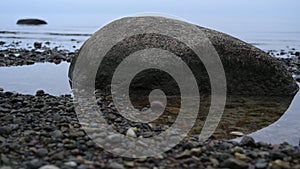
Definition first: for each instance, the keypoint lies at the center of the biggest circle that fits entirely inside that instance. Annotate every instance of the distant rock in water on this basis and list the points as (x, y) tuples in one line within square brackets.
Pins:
[(31, 22), (249, 70)]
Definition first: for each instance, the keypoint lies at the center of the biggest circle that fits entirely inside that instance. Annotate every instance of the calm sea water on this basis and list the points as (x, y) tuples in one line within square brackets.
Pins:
[(72, 37)]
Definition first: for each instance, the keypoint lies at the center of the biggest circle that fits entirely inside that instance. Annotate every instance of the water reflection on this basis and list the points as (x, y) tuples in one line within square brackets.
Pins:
[(286, 129), (243, 114), (52, 78)]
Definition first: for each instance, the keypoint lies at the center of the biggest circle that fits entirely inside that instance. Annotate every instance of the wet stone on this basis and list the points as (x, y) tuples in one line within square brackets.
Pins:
[(5, 167), (279, 164), (40, 93), (115, 165), (70, 164), (34, 164), (5, 130), (234, 164), (37, 45), (277, 155), (5, 160), (248, 141), (42, 152), (49, 167), (57, 134), (261, 163)]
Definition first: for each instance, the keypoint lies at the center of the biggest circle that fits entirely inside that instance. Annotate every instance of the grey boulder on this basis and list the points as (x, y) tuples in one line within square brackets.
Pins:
[(249, 70)]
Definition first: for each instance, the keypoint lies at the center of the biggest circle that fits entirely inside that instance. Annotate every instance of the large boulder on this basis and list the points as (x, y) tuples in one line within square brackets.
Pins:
[(31, 22), (249, 70)]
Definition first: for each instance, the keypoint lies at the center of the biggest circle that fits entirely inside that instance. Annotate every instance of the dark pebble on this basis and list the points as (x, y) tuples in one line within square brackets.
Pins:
[(283, 53), (5, 130), (188, 145), (234, 164), (248, 141), (4, 110), (40, 93), (37, 45), (5, 160), (7, 117), (261, 163), (34, 164), (115, 165), (8, 93), (29, 62), (277, 155), (57, 134), (42, 152)]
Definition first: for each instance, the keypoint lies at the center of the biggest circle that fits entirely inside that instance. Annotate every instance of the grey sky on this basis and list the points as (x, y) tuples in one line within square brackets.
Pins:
[(226, 15)]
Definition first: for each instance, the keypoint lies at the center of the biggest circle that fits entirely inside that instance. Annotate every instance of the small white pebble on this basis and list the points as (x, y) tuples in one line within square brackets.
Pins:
[(130, 133), (49, 167), (71, 164), (237, 133)]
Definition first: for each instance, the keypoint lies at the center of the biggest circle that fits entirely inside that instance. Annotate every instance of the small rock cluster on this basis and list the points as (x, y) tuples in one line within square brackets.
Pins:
[(291, 58), (40, 53)]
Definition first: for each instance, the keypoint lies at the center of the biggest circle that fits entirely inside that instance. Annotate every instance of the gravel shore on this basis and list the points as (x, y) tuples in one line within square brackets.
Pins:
[(43, 130)]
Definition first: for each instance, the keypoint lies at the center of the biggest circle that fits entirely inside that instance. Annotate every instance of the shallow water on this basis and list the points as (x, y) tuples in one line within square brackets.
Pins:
[(245, 114), (25, 36), (286, 129), (52, 78)]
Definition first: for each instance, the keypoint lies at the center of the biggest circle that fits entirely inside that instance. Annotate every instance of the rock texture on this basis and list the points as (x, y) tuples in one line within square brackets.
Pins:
[(249, 70), (31, 22)]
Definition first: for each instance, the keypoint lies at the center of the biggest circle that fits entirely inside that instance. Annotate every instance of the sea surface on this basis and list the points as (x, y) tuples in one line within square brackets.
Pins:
[(72, 37)]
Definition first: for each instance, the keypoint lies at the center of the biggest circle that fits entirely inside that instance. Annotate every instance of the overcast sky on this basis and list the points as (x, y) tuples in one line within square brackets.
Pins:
[(220, 14)]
